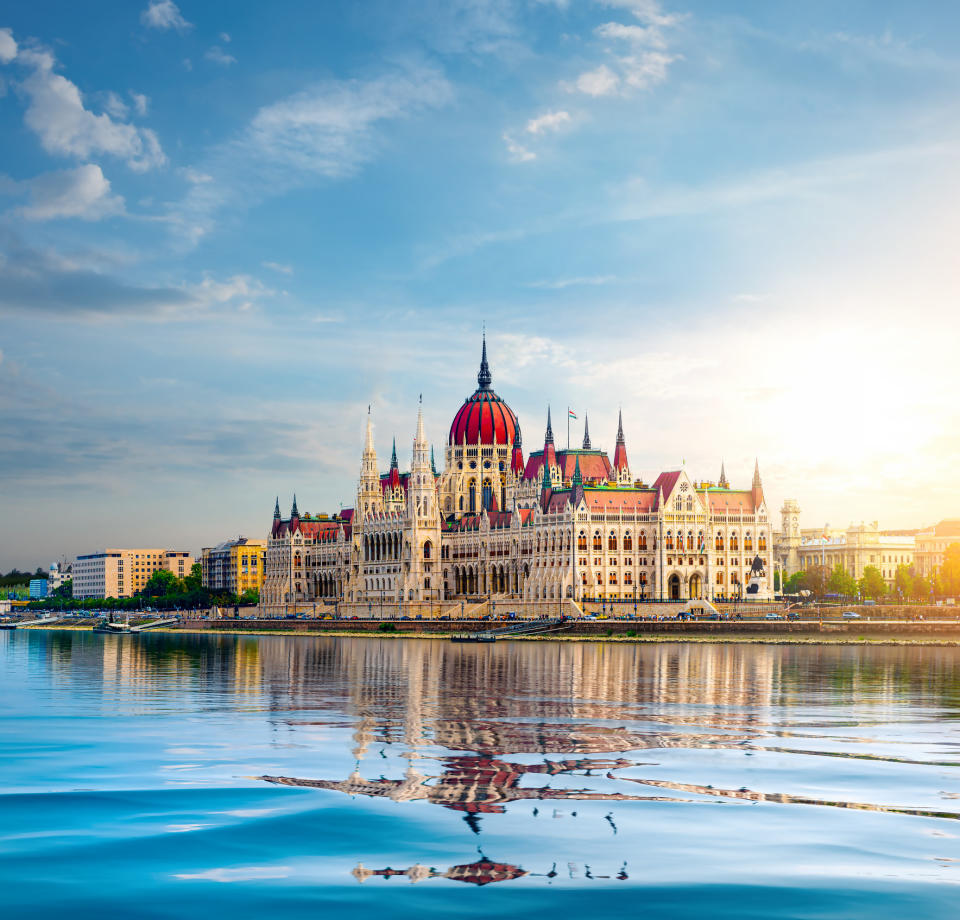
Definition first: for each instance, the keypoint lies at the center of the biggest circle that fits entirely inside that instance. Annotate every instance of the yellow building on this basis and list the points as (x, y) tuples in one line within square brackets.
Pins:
[(234, 565), (932, 545), (124, 572)]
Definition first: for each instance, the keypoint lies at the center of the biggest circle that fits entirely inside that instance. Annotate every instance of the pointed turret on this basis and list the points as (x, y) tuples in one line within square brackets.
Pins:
[(577, 477), (293, 511), (757, 489), (586, 432), (484, 378), (724, 482), (393, 457), (516, 458), (576, 485), (368, 441), (433, 462), (276, 510), (620, 463), (549, 451), (369, 492), (393, 478)]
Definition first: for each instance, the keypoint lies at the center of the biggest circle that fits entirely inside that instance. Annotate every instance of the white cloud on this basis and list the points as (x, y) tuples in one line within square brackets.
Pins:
[(193, 176), (647, 61), (518, 153), (83, 192), (225, 37), (140, 102), (561, 283), (115, 107), (549, 121), (278, 267), (639, 35), (57, 115), (8, 47), (219, 56), (238, 291), (600, 82), (164, 15)]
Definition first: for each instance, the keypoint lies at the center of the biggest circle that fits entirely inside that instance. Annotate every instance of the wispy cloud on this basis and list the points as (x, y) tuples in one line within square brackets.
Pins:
[(164, 15), (82, 193), (561, 283), (217, 55), (517, 152), (65, 126), (278, 267), (549, 121)]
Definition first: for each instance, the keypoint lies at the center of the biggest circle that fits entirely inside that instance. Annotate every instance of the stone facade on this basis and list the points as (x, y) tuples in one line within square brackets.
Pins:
[(562, 524)]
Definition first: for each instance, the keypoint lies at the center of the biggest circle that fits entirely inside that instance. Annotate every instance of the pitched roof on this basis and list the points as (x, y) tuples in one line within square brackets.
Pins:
[(594, 464), (667, 481), (638, 501), (728, 501)]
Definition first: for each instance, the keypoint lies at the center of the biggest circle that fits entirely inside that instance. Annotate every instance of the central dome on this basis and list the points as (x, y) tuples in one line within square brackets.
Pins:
[(484, 418)]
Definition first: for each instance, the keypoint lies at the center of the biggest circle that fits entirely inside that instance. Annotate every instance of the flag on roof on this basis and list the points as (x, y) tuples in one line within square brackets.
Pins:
[(571, 413)]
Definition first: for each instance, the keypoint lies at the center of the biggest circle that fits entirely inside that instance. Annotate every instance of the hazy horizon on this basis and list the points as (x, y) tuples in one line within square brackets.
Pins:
[(225, 230)]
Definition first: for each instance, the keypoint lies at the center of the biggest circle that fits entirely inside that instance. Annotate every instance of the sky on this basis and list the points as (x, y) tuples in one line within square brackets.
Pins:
[(228, 228)]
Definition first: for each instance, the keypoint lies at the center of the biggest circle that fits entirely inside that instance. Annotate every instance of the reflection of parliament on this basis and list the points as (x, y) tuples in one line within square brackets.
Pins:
[(556, 524)]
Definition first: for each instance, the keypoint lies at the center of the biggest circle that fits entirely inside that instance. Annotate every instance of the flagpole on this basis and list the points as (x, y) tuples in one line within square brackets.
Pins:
[(568, 429)]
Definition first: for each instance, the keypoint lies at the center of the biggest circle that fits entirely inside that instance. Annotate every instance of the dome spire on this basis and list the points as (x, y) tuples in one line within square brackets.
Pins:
[(484, 378)]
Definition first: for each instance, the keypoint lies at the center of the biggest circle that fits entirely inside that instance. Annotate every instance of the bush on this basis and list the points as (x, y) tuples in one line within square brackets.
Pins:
[(386, 627)]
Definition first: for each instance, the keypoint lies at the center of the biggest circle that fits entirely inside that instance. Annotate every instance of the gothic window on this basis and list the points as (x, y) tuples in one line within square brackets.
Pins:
[(678, 504), (597, 542), (599, 578), (627, 542), (762, 542), (689, 504), (689, 539), (748, 542), (427, 550), (628, 578), (612, 542), (669, 540), (734, 542), (487, 495), (718, 543), (613, 578), (473, 495), (643, 540)]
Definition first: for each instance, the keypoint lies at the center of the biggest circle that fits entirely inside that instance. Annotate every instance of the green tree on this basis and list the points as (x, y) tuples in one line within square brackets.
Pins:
[(872, 583), (815, 580), (793, 583), (921, 588), (161, 583), (250, 596), (903, 580), (65, 590), (194, 581), (950, 571), (841, 582)]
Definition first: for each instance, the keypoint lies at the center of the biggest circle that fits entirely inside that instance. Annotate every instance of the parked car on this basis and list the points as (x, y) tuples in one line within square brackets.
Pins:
[(850, 615), (773, 616)]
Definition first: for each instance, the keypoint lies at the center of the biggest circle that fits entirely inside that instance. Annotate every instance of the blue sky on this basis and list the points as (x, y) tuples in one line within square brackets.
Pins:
[(227, 228)]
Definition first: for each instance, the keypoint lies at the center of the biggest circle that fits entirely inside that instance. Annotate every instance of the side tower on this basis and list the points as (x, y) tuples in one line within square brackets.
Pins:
[(421, 544), (620, 465), (788, 550)]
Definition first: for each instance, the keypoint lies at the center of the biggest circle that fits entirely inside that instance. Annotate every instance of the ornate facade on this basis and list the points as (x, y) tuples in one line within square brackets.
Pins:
[(558, 524)]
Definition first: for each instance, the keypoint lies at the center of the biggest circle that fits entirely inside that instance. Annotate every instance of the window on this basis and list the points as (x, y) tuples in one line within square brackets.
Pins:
[(597, 542), (612, 542), (582, 542), (669, 540), (628, 542)]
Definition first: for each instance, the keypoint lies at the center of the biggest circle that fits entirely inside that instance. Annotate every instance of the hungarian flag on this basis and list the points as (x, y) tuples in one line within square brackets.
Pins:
[(571, 413)]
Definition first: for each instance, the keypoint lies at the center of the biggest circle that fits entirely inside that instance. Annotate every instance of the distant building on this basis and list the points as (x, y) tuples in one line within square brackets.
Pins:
[(59, 573), (932, 544), (124, 572), (38, 588), (855, 548), (234, 565)]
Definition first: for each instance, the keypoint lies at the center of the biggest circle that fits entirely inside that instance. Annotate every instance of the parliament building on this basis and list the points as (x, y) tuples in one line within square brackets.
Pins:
[(496, 524)]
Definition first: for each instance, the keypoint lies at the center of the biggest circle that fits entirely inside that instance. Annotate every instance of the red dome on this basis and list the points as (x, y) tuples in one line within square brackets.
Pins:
[(484, 419)]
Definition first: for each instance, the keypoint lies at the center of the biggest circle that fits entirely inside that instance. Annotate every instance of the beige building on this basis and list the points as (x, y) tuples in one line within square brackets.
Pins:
[(234, 565), (932, 544), (855, 548), (124, 572)]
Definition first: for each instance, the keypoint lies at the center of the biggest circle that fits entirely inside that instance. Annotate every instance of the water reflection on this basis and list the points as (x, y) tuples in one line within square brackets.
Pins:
[(521, 733)]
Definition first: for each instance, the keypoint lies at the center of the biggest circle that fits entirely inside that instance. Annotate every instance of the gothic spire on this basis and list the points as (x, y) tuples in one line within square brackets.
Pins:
[(548, 438), (433, 463), (577, 476), (756, 475), (517, 440), (276, 510), (620, 439), (293, 511), (393, 457), (586, 432), (723, 483), (484, 378), (368, 443), (421, 437), (547, 484), (620, 453)]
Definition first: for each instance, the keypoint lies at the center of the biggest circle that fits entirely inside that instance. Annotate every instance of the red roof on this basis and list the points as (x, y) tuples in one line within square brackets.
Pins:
[(639, 501), (667, 481), (594, 464), (726, 501), (484, 419)]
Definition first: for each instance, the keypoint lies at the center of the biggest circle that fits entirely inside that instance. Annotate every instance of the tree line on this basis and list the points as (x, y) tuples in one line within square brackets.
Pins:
[(821, 581), (163, 591)]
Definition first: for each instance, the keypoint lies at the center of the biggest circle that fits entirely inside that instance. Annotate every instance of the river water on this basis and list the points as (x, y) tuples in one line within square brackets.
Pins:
[(190, 775)]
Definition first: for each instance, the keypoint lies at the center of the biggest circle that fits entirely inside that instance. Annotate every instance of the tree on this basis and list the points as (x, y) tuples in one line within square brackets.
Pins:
[(792, 583), (872, 583), (65, 589), (921, 588), (815, 580), (903, 580), (950, 571), (841, 582), (194, 581), (161, 583), (250, 596)]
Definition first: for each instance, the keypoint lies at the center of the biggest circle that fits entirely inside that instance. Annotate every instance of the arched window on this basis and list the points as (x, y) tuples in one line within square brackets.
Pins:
[(597, 542), (643, 540), (612, 542), (669, 540), (472, 492), (582, 541), (689, 539), (627, 542), (762, 542), (748, 542), (718, 543), (734, 542), (689, 504), (487, 495), (427, 549)]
